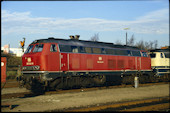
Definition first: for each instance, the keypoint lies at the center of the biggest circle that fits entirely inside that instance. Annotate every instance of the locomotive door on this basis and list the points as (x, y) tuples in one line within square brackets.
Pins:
[(138, 63), (64, 62)]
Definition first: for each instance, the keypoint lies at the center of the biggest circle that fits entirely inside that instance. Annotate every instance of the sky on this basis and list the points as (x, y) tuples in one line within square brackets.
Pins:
[(146, 20)]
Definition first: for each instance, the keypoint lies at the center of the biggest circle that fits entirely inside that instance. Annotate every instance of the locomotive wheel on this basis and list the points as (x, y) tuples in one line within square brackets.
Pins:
[(28, 86), (56, 84), (129, 79), (100, 80), (164, 78), (37, 88)]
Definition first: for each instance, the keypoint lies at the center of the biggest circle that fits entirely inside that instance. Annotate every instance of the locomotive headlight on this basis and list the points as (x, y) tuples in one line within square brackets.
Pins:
[(24, 68), (36, 67), (31, 68)]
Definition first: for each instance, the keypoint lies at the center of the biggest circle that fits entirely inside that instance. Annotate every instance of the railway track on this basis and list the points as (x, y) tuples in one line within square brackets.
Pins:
[(9, 84), (30, 94), (75, 103), (155, 104)]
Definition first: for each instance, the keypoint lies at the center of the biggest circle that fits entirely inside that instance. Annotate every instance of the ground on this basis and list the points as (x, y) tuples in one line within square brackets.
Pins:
[(60, 102)]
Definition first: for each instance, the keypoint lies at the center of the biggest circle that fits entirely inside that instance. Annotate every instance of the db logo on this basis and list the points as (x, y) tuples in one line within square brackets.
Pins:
[(100, 58), (28, 59)]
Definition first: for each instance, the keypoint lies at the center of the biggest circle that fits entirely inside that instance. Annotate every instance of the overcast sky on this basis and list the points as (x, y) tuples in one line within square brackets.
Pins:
[(147, 20)]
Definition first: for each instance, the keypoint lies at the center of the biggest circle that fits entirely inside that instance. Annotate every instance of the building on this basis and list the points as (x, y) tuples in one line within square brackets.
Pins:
[(16, 51)]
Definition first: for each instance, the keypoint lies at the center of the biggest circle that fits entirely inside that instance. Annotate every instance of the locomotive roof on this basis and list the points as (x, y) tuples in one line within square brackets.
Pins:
[(160, 50), (83, 43)]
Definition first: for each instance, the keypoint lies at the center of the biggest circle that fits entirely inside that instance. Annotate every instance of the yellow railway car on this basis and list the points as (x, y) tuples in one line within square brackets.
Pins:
[(160, 61)]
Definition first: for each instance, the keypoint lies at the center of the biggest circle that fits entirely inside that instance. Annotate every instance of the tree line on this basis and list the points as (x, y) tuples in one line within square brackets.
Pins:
[(144, 45)]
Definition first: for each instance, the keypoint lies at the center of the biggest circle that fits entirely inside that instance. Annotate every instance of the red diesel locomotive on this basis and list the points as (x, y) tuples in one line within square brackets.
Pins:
[(66, 63)]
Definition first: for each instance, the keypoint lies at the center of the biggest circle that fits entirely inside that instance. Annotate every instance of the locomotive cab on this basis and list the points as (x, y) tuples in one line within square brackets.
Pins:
[(38, 56), (160, 61), (38, 61)]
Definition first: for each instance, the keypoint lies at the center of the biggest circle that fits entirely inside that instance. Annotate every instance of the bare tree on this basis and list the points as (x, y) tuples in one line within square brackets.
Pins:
[(140, 45), (131, 41), (147, 45), (151, 45), (95, 38), (155, 44)]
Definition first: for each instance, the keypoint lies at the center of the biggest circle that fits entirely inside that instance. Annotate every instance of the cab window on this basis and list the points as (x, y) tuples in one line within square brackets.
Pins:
[(152, 55), (167, 55), (162, 55), (29, 49), (53, 48), (38, 48), (136, 53), (144, 54), (129, 53)]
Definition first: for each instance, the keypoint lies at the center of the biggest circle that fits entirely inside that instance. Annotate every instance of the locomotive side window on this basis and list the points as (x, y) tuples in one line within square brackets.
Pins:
[(129, 53), (29, 49), (74, 49), (167, 55), (162, 55), (103, 51), (65, 48), (110, 51), (81, 49), (97, 50), (118, 52), (125, 52), (53, 48), (153, 55), (136, 53), (122, 52), (38, 48), (88, 50), (144, 54)]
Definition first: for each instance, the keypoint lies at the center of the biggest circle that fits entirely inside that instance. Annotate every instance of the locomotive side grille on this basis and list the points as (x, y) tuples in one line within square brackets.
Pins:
[(120, 64), (111, 64)]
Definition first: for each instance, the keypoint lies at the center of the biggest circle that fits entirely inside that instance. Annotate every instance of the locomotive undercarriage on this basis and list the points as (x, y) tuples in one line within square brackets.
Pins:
[(40, 82), (53, 81), (77, 82)]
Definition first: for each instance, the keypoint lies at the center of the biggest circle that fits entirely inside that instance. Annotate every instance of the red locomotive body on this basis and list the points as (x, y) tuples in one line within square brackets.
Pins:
[(55, 63)]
